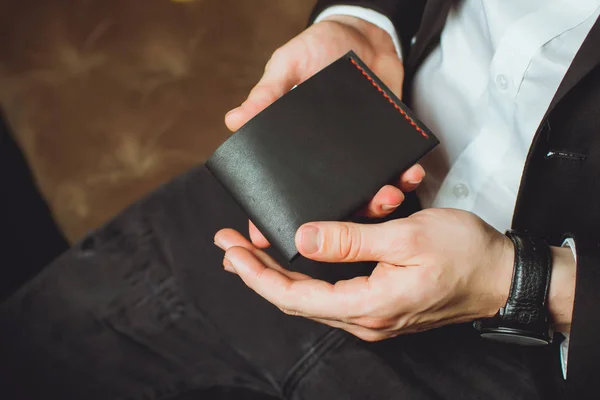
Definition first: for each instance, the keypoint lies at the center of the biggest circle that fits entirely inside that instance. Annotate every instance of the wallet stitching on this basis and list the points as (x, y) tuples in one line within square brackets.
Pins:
[(392, 102)]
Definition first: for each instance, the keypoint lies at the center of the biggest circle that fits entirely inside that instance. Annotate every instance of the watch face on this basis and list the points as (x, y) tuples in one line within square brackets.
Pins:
[(514, 339)]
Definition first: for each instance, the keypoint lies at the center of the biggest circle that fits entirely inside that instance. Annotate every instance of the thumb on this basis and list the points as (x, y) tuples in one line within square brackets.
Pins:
[(281, 75), (347, 242)]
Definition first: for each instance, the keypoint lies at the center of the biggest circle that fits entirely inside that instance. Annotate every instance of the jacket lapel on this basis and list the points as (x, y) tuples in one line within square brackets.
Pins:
[(586, 59), (428, 35)]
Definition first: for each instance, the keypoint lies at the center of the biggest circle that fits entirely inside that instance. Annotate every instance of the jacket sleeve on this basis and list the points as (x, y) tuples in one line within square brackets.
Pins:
[(404, 14), (584, 348)]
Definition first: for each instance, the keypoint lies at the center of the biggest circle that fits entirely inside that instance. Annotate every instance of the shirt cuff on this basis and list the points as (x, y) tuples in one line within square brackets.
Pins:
[(368, 15), (564, 346)]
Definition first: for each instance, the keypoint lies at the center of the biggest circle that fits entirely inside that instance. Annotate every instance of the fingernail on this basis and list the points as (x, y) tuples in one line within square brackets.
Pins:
[(387, 207), (219, 244), (414, 182), (232, 111), (311, 239), (228, 266)]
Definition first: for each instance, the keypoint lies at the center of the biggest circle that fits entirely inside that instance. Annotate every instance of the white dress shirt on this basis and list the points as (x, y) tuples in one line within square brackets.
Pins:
[(484, 90)]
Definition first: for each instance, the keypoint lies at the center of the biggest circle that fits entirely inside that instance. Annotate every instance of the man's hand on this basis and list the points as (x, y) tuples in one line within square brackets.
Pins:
[(308, 53), (436, 267)]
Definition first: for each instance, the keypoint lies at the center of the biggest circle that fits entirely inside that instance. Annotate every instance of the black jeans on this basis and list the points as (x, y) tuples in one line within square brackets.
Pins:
[(142, 309), (29, 238)]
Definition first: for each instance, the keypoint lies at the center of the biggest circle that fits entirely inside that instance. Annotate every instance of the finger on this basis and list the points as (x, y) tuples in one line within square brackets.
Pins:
[(310, 297), (390, 197), (227, 266), (411, 179), (257, 238), (280, 76), (384, 202), (350, 242), (391, 71), (227, 238)]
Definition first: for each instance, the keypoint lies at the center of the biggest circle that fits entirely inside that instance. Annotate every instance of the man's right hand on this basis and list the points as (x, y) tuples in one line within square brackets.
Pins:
[(312, 50), (309, 52)]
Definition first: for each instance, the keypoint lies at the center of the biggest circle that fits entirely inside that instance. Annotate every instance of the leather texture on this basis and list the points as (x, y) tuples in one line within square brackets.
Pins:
[(526, 311), (320, 152)]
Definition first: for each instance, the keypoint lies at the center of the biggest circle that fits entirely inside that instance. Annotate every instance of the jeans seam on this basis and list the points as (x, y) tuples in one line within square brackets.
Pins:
[(329, 341)]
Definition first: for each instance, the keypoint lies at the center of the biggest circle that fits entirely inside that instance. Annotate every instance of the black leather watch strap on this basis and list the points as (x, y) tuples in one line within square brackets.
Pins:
[(525, 317)]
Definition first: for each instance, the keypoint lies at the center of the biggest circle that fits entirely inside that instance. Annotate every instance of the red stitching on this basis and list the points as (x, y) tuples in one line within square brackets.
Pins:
[(392, 102)]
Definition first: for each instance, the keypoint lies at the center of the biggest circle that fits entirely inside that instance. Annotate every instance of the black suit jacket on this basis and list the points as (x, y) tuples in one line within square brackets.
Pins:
[(559, 193)]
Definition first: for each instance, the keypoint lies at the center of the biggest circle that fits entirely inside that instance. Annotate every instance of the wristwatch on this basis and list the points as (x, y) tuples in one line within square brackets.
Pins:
[(525, 318)]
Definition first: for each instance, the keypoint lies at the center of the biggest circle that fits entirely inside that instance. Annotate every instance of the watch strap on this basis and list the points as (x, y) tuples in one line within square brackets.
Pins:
[(526, 312)]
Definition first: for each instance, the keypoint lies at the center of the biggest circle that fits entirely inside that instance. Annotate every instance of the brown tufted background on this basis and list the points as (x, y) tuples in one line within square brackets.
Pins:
[(111, 98)]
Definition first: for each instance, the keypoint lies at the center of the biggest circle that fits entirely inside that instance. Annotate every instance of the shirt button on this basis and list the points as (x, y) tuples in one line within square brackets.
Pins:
[(502, 82), (460, 191)]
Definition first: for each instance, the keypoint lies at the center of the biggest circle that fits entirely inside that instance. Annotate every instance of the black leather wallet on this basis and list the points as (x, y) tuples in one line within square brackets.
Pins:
[(320, 152)]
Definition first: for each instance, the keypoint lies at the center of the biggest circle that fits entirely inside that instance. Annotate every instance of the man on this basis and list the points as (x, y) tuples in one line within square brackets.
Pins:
[(512, 90)]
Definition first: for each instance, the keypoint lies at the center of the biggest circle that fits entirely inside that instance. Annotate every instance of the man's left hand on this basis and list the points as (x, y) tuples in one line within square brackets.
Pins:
[(436, 267)]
